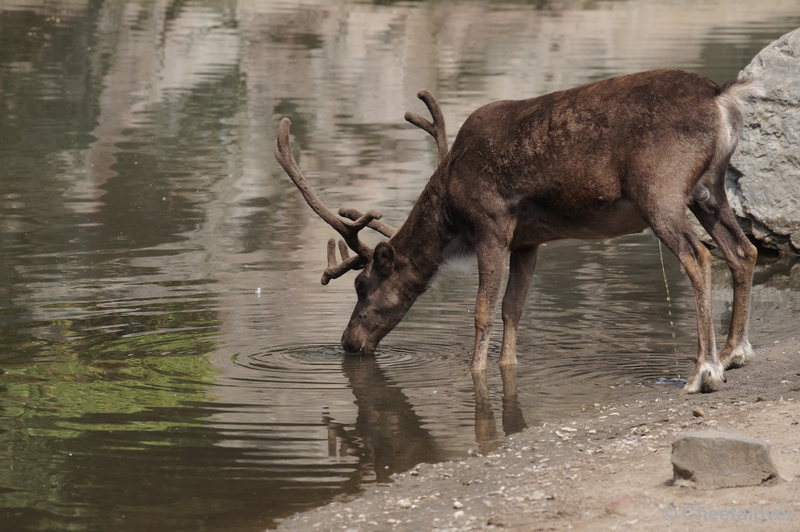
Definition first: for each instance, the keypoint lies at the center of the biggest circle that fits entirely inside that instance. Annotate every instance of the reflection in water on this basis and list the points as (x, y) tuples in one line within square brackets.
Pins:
[(387, 436), (485, 426), (513, 418), (144, 384)]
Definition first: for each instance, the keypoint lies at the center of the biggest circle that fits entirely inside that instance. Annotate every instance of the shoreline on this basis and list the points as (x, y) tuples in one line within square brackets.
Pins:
[(608, 469)]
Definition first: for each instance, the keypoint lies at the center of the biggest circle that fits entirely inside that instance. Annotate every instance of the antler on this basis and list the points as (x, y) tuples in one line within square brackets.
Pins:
[(348, 223), (436, 129), (376, 225), (334, 270)]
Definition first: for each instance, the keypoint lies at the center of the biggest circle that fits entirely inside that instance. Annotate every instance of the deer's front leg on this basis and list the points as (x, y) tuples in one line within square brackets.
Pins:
[(490, 273), (523, 263)]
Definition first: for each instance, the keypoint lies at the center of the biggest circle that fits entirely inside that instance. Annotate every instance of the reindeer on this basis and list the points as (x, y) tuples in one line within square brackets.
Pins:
[(601, 160)]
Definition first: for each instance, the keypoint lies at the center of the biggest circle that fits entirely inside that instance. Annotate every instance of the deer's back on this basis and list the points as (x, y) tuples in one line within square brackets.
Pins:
[(581, 151)]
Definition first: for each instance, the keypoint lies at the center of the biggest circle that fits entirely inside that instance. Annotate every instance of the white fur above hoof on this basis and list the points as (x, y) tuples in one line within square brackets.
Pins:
[(739, 356), (706, 379)]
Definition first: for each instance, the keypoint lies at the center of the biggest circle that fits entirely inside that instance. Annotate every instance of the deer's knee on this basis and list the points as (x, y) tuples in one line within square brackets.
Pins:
[(748, 252)]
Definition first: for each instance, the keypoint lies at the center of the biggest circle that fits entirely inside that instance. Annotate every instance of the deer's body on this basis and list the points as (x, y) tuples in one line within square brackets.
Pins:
[(597, 161)]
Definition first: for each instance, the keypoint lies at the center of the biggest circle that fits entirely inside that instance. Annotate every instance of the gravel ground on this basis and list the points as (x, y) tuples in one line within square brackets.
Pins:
[(607, 469)]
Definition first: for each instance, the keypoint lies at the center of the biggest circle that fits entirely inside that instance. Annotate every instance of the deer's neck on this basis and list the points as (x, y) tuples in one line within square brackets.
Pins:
[(421, 241)]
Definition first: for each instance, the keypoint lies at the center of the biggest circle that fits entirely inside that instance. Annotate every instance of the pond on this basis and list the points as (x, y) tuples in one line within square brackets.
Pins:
[(169, 359)]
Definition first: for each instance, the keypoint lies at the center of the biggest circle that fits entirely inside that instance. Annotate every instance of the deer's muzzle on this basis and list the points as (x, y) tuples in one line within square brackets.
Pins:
[(357, 343)]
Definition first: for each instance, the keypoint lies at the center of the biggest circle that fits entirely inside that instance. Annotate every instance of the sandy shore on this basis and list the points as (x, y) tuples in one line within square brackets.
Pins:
[(606, 469)]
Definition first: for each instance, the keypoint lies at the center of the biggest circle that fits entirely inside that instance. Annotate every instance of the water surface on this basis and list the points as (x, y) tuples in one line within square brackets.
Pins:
[(146, 382)]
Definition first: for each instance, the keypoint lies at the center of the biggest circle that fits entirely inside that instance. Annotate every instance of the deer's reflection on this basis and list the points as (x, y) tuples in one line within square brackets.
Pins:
[(388, 435), (513, 420)]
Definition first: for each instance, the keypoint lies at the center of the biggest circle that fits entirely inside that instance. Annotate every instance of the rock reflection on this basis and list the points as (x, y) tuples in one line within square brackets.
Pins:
[(775, 299)]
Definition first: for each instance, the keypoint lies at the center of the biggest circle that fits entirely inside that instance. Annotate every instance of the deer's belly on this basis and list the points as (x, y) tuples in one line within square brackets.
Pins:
[(616, 219)]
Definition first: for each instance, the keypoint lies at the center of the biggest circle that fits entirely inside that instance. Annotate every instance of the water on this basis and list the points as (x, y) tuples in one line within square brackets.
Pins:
[(144, 382)]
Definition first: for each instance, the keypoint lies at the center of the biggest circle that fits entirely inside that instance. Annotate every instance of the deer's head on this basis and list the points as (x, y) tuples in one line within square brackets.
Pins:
[(384, 288)]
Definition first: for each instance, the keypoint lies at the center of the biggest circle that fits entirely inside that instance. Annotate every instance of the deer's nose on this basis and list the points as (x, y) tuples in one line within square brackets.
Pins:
[(351, 342)]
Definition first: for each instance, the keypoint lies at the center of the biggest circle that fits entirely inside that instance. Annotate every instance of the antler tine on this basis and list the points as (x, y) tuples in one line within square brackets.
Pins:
[(334, 270), (436, 129), (345, 227), (343, 250), (376, 225)]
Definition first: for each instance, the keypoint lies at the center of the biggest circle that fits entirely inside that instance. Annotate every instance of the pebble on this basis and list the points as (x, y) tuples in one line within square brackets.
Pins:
[(698, 412), (457, 505), (404, 503)]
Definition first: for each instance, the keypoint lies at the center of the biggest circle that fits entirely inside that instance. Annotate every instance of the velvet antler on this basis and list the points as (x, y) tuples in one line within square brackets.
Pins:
[(436, 129), (348, 223)]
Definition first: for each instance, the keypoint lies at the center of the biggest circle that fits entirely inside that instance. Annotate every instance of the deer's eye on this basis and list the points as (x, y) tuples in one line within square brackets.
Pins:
[(361, 290)]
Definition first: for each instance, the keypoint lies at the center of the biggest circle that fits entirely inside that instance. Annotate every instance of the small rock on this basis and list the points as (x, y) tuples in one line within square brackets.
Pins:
[(457, 505), (404, 503), (458, 514), (711, 459), (493, 521), (698, 412)]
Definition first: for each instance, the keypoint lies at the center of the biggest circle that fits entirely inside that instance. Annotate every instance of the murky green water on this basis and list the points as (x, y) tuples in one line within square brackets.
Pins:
[(145, 385)]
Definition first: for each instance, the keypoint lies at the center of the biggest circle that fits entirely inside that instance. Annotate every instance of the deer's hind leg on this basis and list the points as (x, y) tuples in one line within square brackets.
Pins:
[(717, 218), (522, 265), (673, 229)]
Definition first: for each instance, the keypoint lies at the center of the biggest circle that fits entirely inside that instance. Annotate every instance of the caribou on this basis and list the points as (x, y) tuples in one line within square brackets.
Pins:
[(597, 161)]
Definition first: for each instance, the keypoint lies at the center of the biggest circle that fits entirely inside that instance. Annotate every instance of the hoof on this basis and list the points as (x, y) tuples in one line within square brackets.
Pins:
[(706, 379), (740, 356)]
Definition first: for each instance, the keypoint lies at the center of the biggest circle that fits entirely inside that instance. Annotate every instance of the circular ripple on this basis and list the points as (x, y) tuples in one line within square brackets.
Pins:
[(300, 362)]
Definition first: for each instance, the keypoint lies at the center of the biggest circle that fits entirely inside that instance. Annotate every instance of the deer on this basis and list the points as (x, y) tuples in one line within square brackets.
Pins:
[(605, 159)]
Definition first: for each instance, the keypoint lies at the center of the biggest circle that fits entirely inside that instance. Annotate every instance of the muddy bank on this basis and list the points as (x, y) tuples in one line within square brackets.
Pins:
[(607, 467)]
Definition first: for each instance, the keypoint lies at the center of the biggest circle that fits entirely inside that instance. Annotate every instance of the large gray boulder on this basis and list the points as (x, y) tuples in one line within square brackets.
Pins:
[(763, 180)]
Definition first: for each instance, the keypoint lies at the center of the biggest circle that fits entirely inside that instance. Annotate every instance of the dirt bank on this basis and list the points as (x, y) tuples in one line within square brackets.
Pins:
[(604, 469)]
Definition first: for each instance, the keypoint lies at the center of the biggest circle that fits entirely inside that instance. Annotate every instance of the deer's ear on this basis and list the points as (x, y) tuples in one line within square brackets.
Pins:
[(383, 258)]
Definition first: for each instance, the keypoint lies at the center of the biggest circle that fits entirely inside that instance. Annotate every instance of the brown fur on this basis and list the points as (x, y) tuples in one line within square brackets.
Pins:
[(597, 161)]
